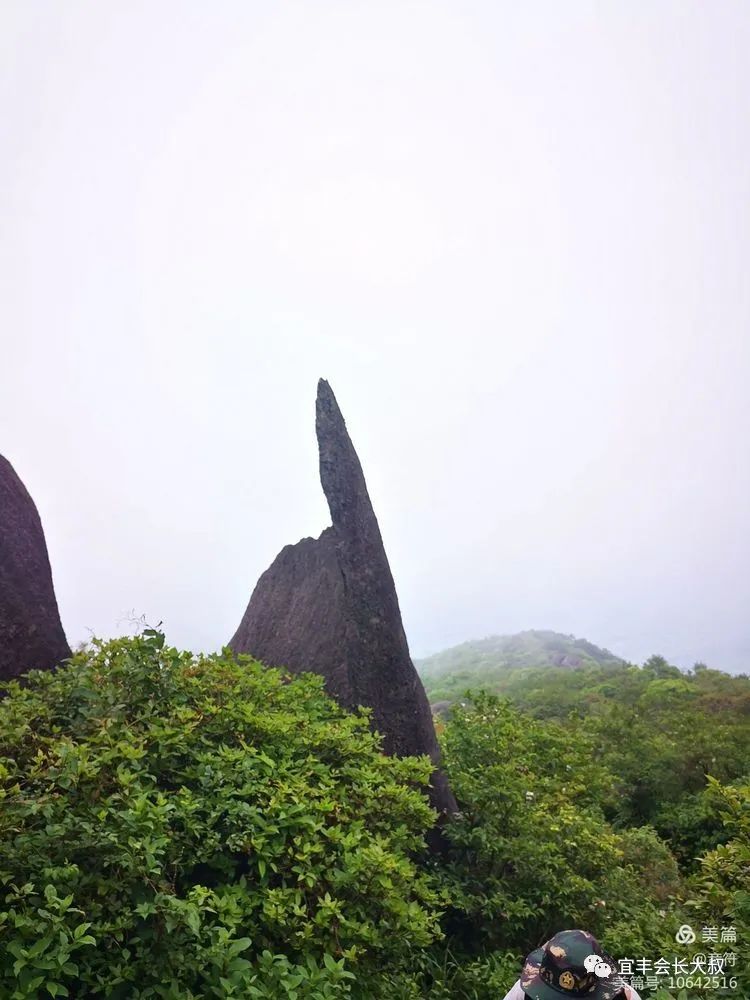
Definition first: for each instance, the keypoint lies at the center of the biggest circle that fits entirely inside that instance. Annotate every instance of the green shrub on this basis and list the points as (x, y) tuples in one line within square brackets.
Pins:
[(182, 827), (692, 826), (533, 852), (722, 883)]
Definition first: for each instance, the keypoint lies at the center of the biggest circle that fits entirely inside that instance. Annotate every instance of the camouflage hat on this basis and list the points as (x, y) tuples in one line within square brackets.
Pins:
[(564, 967)]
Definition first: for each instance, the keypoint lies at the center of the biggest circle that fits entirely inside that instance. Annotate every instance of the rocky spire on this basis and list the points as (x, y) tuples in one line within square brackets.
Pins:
[(31, 636), (329, 605)]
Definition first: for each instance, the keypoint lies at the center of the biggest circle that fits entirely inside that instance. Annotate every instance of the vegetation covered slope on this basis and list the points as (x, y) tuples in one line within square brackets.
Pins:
[(175, 826), (180, 827), (492, 663), (660, 730)]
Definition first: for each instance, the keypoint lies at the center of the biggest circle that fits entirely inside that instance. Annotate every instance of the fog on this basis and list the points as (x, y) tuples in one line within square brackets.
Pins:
[(514, 238)]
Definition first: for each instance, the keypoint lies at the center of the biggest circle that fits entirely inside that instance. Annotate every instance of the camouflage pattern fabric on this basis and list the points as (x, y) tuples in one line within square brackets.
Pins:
[(571, 964)]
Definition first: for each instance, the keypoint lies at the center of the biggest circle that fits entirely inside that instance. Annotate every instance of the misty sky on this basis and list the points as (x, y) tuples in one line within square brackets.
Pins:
[(515, 237)]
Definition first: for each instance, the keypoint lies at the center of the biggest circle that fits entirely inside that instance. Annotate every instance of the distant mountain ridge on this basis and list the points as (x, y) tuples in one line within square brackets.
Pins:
[(532, 648)]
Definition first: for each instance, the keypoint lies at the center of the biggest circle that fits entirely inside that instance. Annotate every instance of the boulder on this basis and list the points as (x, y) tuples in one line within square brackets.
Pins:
[(329, 605), (31, 635)]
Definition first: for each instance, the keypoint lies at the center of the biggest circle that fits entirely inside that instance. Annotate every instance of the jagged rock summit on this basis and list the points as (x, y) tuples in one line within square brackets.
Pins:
[(329, 605), (31, 635)]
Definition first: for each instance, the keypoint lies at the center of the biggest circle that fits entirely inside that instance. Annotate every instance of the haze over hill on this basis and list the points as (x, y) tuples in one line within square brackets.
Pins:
[(532, 648), (513, 236), (512, 665)]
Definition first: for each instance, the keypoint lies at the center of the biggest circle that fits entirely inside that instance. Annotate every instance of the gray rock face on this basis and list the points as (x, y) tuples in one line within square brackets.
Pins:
[(329, 605), (31, 635)]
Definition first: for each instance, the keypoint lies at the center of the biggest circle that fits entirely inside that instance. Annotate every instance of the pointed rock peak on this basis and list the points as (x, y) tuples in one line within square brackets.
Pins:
[(31, 635), (330, 605), (325, 393), (341, 474)]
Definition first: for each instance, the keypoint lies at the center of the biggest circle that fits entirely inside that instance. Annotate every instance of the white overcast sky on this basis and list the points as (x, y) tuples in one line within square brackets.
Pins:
[(515, 238)]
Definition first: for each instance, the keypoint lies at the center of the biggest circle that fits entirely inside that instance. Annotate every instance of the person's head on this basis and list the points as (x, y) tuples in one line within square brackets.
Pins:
[(570, 965), (618, 996)]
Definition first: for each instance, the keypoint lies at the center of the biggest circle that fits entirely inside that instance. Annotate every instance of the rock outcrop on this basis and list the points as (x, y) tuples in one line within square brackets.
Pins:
[(31, 635), (329, 605)]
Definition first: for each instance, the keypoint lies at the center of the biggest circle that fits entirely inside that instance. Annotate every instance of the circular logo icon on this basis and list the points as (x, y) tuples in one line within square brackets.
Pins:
[(602, 970), (591, 962), (567, 980), (685, 935)]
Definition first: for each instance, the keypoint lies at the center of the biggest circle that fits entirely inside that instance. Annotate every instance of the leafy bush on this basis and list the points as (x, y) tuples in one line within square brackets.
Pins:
[(181, 827), (722, 883), (173, 826), (692, 826), (659, 730), (533, 851)]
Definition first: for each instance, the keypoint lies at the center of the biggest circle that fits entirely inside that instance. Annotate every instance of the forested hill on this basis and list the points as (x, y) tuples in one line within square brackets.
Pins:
[(174, 825), (550, 674), (493, 663), (533, 648), (659, 729)]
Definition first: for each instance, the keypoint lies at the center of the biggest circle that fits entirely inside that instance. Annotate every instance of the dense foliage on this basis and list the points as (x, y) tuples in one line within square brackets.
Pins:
[(173, 827), (489, 662), (722, 884), (653, 760), (658, 729), (179, 826), (536, 852)]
